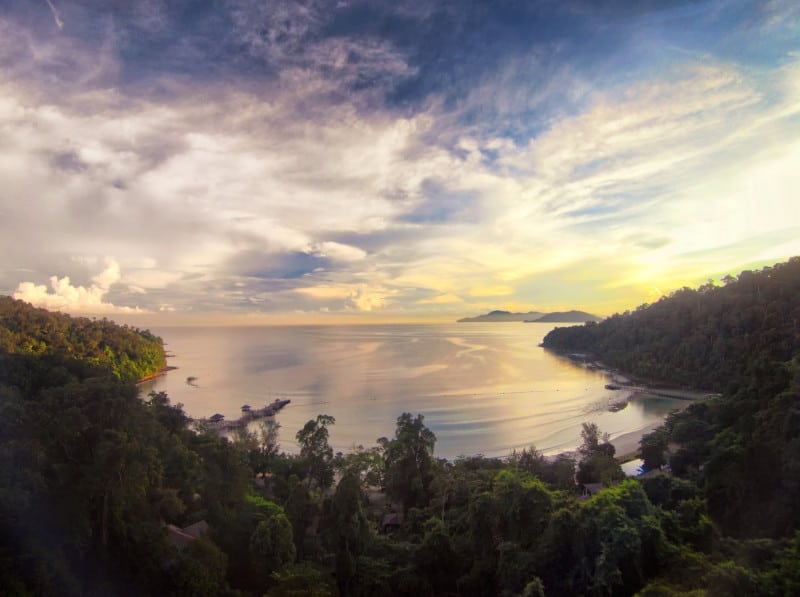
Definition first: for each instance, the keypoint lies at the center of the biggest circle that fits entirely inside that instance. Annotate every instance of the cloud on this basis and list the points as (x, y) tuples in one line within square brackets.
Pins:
[(441, 299), (297, 155), (56, 17), (108, 276), (63, 296), (325, 292), (370, 298), (338, 251)]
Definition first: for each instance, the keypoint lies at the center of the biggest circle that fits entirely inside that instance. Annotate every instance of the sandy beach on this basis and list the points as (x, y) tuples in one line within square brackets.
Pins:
[(627, 444)]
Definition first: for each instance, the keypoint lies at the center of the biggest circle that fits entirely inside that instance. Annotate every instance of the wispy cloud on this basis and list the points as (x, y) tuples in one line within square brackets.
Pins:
[(56, 16)]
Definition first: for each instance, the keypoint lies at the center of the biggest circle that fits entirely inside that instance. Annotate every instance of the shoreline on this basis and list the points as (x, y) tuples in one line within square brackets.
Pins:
[(161, 372), (627, 444)]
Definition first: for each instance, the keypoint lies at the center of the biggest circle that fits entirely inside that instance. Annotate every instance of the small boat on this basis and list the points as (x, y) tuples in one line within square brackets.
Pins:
[(611, 386)]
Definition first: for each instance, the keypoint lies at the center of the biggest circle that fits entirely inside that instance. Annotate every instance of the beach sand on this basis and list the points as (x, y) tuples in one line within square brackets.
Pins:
[(627, 444)]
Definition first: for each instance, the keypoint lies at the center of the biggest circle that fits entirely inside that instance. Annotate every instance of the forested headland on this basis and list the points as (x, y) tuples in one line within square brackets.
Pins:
[(57, 342), (713, 337), (103, 492)]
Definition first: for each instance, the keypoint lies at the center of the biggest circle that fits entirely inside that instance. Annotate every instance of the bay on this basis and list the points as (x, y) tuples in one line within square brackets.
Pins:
[(484, 388)]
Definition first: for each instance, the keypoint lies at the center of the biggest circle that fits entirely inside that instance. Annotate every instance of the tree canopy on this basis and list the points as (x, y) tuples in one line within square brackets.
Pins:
[(66, 343)]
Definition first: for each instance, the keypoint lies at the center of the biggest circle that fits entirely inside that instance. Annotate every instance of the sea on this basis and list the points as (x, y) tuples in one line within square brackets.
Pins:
[(483, 388)]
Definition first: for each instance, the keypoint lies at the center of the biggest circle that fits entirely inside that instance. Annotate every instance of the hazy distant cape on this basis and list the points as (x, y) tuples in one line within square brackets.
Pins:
[(566, 317), (533, 316)]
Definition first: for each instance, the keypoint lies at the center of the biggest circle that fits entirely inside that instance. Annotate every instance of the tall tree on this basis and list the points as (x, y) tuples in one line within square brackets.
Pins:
[(271, 546), (347, 529), (409, 461), (314, 448)]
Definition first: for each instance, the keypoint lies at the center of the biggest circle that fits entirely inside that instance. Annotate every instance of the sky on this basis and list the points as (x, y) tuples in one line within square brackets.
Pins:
[(256, 161)]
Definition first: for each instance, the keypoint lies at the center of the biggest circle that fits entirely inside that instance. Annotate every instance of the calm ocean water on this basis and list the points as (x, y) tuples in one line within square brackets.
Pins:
[(483, 388)]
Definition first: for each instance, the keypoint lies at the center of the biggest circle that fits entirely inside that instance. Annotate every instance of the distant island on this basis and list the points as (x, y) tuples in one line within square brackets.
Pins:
[(532, 316), (503, 316), (566, 317)]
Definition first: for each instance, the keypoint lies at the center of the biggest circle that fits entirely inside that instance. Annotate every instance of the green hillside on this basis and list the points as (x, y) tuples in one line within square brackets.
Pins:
[(127, 353), (713, 337), (742, 449)]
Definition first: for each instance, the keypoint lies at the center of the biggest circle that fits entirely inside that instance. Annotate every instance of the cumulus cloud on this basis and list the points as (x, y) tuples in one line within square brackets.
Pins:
[(64, 296)]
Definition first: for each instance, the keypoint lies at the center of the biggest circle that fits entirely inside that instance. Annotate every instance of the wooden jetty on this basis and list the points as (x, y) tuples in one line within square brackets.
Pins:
[(219, 424)]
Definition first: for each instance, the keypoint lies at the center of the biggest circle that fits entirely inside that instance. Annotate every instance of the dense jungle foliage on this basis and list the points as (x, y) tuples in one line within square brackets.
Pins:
[(715, 337), (127, 353), (91, 474)]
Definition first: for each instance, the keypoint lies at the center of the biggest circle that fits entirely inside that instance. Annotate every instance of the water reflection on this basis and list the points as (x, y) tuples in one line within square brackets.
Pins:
[(483, 388)]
